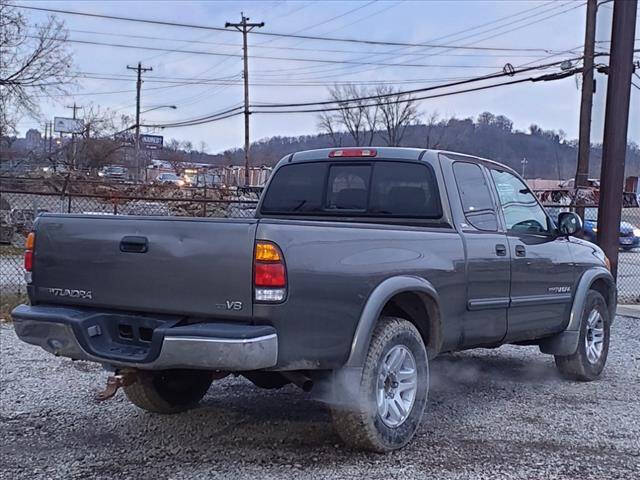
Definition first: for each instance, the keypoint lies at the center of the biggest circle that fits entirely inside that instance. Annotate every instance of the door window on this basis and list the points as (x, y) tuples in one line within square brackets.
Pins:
[(522, 212), (475, 196)]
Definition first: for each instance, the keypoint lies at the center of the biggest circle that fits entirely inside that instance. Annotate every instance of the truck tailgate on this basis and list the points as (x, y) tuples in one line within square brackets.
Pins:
[(197, 267)]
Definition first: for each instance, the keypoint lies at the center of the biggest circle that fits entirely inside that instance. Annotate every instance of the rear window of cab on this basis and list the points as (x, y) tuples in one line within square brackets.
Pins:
[(372, 189)]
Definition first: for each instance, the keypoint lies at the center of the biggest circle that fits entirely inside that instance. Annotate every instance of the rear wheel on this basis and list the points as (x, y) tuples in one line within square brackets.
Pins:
[(593, 345), (169, 391), (392, 392)]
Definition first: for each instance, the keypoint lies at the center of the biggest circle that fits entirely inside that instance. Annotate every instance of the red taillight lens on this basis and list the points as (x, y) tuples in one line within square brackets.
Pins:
[(29, 245), (28, 260), (270, 275)]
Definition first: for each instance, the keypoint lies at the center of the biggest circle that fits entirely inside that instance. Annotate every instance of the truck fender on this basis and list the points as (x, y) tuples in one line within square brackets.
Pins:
[(566, 342), (374, 306)]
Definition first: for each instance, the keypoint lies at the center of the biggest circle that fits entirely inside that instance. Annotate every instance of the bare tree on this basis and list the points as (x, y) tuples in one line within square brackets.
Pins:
[(176, 156), (203, 147), (358, 117), (431, 124), (31, 65), (397, 112), (97, 146), (328, 124)]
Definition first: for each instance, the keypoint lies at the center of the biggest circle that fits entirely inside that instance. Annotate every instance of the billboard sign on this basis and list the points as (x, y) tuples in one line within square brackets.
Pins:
[(68, 125), (151, 142)]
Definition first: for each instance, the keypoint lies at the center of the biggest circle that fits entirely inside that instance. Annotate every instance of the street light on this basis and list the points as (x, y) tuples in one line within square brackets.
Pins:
[(172, 107)]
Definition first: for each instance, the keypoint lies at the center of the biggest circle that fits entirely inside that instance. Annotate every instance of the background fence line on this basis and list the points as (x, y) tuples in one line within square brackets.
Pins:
[(19, 208)]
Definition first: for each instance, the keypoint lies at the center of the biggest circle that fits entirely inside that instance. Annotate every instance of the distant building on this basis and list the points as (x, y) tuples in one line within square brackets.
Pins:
[(33, 138)]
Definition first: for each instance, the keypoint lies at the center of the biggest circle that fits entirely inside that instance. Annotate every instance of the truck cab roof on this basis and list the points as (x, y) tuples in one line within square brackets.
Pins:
[(386, 153)]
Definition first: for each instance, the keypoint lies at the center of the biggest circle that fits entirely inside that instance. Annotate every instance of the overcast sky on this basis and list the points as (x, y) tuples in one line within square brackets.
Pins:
[(556, 26)]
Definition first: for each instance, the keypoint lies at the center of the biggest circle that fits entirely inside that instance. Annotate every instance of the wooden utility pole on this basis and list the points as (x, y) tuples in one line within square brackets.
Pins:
[(140, 69), (586, 103), (616, 122), (245, 28)]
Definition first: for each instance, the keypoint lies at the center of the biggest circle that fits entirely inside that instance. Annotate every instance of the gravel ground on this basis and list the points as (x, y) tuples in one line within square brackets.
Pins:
[(492, 414)]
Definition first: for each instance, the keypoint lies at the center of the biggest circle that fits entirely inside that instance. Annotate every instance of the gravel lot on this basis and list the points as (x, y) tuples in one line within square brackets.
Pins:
[(492, 414)]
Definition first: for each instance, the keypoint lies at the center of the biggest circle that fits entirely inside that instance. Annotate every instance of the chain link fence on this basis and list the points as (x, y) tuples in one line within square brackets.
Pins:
[(18, 209)]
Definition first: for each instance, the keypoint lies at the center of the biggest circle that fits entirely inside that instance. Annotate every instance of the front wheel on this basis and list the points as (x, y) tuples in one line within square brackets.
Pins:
[(392, 392), (593, 345), (169, 391)]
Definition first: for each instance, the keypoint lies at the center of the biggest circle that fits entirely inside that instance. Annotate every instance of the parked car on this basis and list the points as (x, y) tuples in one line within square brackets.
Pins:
[(169, 179), (359, 266), (629, 233), (113, 172), (142, 207)]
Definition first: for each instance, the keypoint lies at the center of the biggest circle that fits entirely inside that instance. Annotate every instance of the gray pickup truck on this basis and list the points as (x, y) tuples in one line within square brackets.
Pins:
[(359, 267)]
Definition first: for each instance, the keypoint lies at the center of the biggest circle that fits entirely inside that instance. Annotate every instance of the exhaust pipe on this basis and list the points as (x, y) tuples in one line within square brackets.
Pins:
[(299, 379)]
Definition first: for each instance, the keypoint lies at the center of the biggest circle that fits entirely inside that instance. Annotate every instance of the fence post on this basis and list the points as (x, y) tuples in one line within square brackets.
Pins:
[(69, 208), (115, 208)]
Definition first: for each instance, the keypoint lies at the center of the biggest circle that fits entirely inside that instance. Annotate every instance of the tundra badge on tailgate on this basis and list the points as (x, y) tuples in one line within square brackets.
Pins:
[(72, 293)]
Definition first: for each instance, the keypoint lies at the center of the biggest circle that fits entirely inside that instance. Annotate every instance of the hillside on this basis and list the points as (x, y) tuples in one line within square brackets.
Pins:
[(549, 155)]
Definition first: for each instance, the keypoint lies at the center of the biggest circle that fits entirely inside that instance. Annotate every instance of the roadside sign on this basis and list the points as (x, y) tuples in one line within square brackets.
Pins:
[(151, 142), (68, 125)]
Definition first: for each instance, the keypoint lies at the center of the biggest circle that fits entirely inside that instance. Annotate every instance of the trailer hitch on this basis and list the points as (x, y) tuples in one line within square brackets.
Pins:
[(123, 378)]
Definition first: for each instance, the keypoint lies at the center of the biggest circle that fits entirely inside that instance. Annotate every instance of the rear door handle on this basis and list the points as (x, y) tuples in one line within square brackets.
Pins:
[(501, 250), (134, 244), (520, 251)]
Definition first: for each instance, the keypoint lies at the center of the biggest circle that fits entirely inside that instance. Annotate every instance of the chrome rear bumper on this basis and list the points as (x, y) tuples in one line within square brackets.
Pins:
[(179, 350)]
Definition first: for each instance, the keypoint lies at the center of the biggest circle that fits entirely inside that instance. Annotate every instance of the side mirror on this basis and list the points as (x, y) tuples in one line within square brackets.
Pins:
[(569, 223)]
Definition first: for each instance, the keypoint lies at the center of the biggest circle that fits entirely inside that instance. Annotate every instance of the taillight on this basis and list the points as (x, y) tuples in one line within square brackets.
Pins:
[(269, 273), (353, 152), (30, 244)]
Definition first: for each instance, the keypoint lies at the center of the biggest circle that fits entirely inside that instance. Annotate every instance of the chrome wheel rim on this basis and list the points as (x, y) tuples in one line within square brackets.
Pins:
[(397, 386), (594, 336)]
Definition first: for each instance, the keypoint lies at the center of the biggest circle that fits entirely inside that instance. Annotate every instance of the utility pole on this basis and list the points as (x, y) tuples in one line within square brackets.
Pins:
[(73, 137), (586, 102), (140, 69), (245, 28), (616, 122), (524, 164), (44, 145)]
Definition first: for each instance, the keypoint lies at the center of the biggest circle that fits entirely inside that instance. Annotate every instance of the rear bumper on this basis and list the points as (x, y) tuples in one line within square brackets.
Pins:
[(94, 336)]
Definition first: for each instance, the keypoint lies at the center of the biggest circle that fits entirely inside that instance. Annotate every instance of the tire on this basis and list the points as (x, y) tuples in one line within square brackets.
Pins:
[(584, 365), (362, 425), (169, 391)]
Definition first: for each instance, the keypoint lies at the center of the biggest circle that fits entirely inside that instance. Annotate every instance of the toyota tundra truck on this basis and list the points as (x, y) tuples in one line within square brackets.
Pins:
[(359, 267)]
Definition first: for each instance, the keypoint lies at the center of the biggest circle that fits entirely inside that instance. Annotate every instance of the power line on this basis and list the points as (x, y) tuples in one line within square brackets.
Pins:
[(287, 47), (288, 59), (283, 35), (419, 90), (446, 94), (547, 77), (395, 52)]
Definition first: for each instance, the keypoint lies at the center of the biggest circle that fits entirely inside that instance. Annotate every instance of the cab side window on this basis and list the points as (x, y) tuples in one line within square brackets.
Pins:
[(522, 212), (475, 196)]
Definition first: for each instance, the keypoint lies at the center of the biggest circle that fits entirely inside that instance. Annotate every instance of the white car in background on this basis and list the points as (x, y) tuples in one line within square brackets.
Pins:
[(169, 179)]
